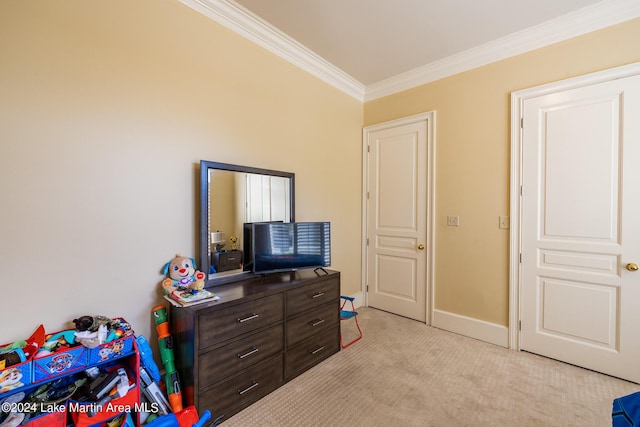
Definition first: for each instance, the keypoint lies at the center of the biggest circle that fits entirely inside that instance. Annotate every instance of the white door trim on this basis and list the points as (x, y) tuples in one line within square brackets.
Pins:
[(429, 117), (517, 102)]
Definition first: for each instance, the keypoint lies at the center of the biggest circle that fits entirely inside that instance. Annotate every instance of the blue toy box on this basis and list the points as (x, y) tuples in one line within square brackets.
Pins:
[(16, 369), (15, 377), (111, 350), (59, 363), (119, 345), (626, 411)]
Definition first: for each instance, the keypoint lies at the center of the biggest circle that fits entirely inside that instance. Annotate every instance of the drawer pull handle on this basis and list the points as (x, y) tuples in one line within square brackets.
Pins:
[(318, 295), (317, 350), (248, 353), (251, 387), (250, 317), (316, 322)]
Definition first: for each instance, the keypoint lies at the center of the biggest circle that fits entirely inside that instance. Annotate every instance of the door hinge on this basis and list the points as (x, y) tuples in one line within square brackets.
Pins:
[(367, 241), (520, 257), (521, 190), (367, 195), (519, 325), (367, 288), (368, 148), (521, 122)]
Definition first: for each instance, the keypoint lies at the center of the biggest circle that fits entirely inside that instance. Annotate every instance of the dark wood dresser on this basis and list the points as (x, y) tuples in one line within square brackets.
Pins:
[(227, 260), (262, 332)]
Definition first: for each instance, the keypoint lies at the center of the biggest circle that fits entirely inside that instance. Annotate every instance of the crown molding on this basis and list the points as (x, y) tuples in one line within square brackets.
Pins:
[(585, 20), (243, 22), (582, 21)]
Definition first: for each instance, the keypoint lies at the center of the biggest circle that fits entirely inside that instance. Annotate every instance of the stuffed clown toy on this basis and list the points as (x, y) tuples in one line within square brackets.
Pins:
[(182, 275)]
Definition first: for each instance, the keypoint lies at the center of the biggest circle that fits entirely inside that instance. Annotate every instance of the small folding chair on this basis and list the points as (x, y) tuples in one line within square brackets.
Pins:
[(346, 314)]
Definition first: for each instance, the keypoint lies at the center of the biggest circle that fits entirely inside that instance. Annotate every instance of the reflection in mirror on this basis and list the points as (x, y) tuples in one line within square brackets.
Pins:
[(231, 196)]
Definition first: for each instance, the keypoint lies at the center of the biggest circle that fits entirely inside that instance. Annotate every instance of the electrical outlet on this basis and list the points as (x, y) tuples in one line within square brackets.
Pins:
[(453, 220), (504, 222)]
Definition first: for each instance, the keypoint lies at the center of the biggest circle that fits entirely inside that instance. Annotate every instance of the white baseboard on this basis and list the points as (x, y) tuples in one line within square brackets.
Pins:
[(470, 327)]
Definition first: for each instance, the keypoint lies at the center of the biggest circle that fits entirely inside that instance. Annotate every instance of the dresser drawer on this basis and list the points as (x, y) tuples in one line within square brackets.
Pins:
[(243, 389), (226, 261), (312, 351), (237, 355), (308, 297), (220, 325), (312, 322)]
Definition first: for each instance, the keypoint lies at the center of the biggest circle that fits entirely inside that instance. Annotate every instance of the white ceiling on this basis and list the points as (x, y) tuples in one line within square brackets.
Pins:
[(370, 48), (375, 40)]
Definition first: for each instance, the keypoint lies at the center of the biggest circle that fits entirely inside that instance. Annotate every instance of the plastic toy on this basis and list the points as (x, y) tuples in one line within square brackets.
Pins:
[(182, 275), (146, 358), (115, 334), (172, 380), (185, 418), (119, 329), (150, 376), (57, 341), (153, 393), (69, 336)]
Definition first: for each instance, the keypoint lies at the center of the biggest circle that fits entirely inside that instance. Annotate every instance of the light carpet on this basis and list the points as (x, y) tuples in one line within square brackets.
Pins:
[(404, 373)]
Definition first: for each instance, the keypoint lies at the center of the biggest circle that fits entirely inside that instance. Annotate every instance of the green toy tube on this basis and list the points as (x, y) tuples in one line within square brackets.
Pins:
[(172, 380)]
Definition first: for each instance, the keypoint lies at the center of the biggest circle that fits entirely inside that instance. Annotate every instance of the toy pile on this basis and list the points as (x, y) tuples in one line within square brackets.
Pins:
[(20, 351), (75, 376), (90, 332)]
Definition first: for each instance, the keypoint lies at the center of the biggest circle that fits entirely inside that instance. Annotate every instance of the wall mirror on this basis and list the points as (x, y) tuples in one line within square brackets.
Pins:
[(230, 196)]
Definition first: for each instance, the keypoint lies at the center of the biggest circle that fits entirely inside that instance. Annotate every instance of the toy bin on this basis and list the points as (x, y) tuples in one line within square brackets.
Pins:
[(59, 363), (16, 367), (114, 349), (84, 414), (122, 420), (54, 415), (15, 377)]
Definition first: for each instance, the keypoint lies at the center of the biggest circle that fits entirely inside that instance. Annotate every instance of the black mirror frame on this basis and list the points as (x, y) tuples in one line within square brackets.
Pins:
[(205, 166)]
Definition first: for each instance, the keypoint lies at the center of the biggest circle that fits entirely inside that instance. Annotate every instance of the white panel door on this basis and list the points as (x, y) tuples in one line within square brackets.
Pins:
[(397, 219), (580, 293)]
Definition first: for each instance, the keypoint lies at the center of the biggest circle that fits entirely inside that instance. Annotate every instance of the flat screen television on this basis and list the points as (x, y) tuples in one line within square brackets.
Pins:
[(289, 246), (247, 244)]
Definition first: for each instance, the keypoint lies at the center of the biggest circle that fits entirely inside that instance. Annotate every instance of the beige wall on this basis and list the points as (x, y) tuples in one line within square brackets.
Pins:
[(106, 109), (472, 159)]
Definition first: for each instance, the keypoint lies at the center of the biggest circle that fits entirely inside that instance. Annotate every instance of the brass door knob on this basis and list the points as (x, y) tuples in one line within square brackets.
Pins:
[(632, 266), (421, 247)]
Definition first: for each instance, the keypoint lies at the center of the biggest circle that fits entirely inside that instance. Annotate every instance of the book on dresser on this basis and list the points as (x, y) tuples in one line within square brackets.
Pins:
[(189, 297)]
